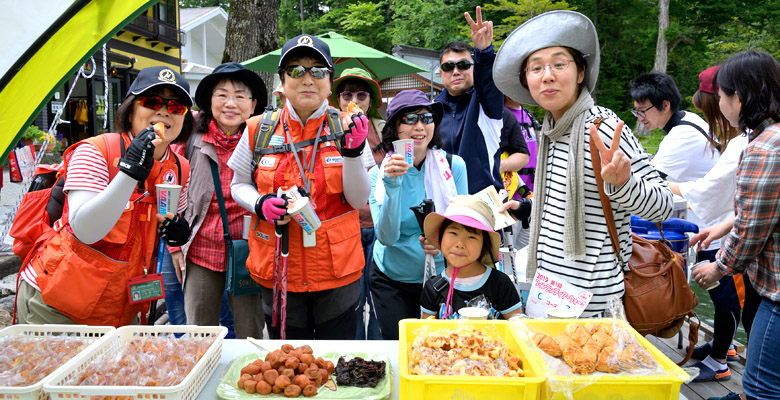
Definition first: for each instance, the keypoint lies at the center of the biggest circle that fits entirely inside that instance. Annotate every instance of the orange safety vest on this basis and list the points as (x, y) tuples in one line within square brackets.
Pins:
[(87, 283), (337, 259)]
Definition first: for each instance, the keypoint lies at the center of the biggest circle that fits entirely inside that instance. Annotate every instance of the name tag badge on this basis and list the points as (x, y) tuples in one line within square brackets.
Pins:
[(141, 289), (268, 162), (334, 160)]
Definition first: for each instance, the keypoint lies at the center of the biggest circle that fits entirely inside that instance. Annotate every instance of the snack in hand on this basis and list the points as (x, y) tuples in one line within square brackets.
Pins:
[(353, 109), (159, 129)]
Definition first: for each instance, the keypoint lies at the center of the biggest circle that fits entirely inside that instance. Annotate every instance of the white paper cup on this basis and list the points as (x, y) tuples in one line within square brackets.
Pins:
[(304, 215), (699, 264), (473, 313), (561, 312), (168, 198), (405, 147)]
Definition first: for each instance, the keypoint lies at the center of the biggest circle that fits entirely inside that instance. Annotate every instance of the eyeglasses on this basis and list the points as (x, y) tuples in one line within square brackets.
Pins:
[(641, 113), (412, 118), (556, 67), (297, 71), (463, 65), (347, 96), (156, 102), (222, 98)]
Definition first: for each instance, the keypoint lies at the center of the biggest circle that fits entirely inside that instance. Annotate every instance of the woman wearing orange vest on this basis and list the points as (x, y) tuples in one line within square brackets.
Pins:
[(304, 154), (98, 266)]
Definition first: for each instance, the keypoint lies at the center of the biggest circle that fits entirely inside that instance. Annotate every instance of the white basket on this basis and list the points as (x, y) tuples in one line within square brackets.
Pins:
[(186, 390), (92, 335)]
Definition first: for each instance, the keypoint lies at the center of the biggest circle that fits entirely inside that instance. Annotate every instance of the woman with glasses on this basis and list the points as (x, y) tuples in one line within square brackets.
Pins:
[(552, 61), (312, 156), (227, 97), (355, 85), (105, 246), (396, 279)]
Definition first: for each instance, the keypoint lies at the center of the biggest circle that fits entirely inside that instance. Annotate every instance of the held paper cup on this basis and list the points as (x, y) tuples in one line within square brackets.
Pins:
[(405, 147), (304, 215), (168, 198), (699, 264), (473, 313)]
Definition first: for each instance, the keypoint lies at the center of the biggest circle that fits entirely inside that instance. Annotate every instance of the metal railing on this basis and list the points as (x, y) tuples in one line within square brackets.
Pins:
[(156, 30)]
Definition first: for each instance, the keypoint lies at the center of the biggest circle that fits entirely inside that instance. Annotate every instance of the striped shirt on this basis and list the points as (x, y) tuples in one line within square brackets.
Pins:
[(754, 242), (88, 170), (644, 194)]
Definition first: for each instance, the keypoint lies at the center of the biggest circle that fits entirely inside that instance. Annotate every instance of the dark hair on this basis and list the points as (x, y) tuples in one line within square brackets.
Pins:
[(456, 47), (486, 243), (390, 132), (124, 118), (755, 77), (299, 54), (203, 119), (579, 61), (656, 87), (721, 131)]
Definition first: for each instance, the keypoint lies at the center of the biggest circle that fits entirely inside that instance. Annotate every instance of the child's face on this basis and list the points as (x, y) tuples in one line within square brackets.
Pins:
[(459, 246)]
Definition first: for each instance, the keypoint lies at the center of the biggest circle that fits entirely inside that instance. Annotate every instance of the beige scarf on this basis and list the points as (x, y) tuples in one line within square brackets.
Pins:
[(572, 121)]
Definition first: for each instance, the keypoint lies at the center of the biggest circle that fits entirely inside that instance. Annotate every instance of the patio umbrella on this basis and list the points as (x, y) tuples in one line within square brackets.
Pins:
[(44, 42), (346, 54)]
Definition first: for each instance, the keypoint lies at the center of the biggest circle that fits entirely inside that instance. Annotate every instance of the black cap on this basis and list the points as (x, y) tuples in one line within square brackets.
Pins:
[(236, 72), (306, 42), (156, 76)]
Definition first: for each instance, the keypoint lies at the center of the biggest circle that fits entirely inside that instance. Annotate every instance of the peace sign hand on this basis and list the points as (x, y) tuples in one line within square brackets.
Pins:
[(481, 31), (615, 165)]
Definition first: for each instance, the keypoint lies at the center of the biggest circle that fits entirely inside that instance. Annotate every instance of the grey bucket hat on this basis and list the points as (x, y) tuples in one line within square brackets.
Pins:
[(554, 28)]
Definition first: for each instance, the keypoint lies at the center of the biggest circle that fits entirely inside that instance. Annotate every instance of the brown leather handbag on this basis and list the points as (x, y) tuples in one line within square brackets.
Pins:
[(657, 295)]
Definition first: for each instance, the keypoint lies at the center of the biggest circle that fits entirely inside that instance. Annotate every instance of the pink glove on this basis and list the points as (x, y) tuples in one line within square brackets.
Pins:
[(355, 138), (270, 208)]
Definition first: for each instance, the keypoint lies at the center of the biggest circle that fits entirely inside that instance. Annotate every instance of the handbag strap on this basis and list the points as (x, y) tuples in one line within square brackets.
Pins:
[(221, 201)]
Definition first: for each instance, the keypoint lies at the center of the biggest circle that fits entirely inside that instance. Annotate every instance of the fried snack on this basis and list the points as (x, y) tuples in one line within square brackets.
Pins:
[(592, 327), (547, 344), (607, 361), (159, 129), (564, 342), (602, 339), (25, 360), (353, 109), (578, 333), (288, 370)]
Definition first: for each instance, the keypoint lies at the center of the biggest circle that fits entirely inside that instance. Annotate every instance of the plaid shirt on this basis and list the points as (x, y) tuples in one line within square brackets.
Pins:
[(754, 242), (208, 245)]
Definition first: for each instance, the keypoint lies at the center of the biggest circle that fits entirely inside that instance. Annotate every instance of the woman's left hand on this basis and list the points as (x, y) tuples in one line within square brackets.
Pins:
[(707, 274), (615, 165), (396, 166), (427, 247), (481, 31)]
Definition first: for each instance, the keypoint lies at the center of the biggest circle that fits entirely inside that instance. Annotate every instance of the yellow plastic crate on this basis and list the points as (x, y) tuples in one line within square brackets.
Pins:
[(466, 387), (612, 387)]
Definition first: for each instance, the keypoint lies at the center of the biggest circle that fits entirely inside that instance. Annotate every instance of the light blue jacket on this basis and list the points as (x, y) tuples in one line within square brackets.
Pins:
[(397, 251)]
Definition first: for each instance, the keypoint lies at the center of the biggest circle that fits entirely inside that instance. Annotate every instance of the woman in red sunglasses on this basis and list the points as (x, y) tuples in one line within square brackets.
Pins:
[(104, 247)]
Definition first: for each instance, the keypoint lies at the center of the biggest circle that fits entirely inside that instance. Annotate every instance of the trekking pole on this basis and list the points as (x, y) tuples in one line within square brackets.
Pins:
[(421, 211), (153, 304), (277, 265), (285, 256)]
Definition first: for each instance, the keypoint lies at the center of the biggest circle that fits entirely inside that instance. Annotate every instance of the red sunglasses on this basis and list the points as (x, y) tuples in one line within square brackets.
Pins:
[(156, 102)]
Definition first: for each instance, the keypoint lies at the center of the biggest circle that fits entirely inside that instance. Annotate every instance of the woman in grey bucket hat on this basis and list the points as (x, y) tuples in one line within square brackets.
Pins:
[(552, 60)]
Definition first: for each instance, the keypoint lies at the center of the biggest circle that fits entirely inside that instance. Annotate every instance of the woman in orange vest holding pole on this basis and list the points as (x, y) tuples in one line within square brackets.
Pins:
[(97, 267), (310, 161)]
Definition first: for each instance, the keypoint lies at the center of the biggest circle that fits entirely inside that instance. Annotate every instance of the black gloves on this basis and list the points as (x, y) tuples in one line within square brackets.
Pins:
[(523, 212), (139, 158), (175, 232)]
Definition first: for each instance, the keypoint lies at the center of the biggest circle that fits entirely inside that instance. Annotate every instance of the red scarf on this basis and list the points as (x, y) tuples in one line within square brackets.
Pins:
[(227, 142)]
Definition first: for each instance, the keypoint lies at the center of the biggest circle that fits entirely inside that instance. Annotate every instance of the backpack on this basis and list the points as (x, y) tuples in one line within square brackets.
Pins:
[(40, 213), (267, 126)]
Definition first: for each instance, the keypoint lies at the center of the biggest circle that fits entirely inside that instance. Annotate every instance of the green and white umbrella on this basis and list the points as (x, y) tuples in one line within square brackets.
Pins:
[(346, 54)]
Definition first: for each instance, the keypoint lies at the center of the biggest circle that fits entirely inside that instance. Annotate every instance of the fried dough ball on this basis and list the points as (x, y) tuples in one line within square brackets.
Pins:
[(292, 391)]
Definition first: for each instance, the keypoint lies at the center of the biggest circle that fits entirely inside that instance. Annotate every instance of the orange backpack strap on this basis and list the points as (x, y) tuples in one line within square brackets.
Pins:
[(112, 146)]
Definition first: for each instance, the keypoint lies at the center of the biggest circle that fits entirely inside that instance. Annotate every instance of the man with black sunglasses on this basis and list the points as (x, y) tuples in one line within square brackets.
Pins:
[(471, 127)]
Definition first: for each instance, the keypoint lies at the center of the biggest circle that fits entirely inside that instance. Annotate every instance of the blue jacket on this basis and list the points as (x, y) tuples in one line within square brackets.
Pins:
[(397, 250), (462, 131)]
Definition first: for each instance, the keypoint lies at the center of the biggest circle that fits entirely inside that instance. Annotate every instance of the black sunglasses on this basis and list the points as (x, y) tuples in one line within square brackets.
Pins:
[(463, 65), (412, 118), (156, 102), (297, 71)]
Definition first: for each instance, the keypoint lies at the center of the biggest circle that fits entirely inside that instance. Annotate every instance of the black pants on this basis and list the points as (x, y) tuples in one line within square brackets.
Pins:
[(752, 301), (392, 301), (342, 327)]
